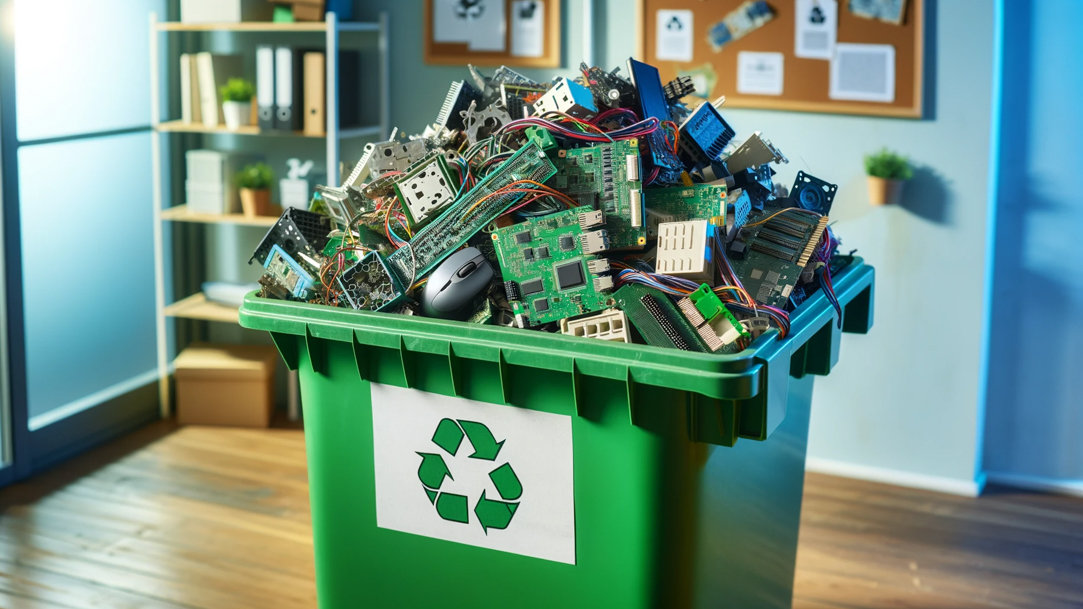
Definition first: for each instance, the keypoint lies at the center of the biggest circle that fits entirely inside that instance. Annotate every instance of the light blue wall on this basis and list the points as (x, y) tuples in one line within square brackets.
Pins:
[(1035, 408), (907, 396)]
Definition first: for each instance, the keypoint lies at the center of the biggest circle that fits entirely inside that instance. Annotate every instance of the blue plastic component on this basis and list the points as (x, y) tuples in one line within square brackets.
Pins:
[(581, 96), (704, 135), (652, 102), (289, 273)]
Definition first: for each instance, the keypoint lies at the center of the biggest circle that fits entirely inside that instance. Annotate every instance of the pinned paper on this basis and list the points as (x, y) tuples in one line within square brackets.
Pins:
[(891, 11), (479, 23), (673, 37), (863, 72), (487, 23), (759, 73), (527, 28), (815, 28)]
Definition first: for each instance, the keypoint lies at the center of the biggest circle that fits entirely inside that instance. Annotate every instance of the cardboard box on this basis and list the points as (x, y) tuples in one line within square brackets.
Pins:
[(224, 11), (308, 10), (225, 385)]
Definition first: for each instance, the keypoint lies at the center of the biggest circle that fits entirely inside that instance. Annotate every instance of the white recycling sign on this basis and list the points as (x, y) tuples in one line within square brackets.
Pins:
[(486, 475)]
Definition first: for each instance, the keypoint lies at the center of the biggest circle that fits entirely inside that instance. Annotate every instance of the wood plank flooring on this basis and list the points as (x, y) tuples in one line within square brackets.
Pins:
[(205, 518)]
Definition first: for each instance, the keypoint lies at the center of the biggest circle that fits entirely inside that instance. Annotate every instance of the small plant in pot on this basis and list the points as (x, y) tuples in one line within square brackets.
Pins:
[(254, 182), (887, 172), (237, 102)]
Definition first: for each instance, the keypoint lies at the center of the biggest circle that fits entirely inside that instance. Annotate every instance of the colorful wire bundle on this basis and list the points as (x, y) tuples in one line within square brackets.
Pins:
[(828, 245), (634, 130), (609, 115), (733, 296)]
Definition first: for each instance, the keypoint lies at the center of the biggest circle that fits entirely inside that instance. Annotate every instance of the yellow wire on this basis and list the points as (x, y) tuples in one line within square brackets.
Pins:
[(740, 291), (782, 211)]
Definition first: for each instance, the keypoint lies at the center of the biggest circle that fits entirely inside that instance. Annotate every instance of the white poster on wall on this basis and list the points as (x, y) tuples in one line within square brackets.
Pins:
[(673, 35), (527, 28), (446, 24), (759, 73), (863, 72), (479, 23), (486, 475), (815, 28)]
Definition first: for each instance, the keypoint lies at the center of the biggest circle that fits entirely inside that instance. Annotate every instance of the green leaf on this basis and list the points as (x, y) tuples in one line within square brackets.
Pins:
[(257, 176), (888, 165), (237, 90)]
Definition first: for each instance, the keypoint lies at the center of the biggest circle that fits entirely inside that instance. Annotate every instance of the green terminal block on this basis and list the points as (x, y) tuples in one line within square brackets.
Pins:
[(542, 138), (716, 315), (707, 302)]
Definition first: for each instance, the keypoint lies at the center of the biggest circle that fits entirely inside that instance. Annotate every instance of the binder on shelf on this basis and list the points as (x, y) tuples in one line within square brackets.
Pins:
[(315, 120), (288, 89), (350, 77), (189, 84), (213, 71), (265, 87)]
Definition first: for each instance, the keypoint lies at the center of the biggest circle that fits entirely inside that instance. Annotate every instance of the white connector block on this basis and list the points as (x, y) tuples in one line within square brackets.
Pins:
[(425, 191), (610, 324), (568, 97), (684, 250)]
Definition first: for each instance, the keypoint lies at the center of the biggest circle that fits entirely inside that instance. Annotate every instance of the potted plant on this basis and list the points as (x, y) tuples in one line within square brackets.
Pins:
[(254, 182), (887, 171), (237, 102)]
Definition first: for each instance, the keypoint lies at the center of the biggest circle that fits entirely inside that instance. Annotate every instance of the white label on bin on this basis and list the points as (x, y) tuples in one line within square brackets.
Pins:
[(486, 475)]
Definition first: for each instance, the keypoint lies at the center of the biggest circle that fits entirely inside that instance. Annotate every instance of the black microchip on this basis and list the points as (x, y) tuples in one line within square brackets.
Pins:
[(511, 290), (528, 254), (523, 237), (531, 287), (570, 275), (567, 243), (541, 305), (542, 252)]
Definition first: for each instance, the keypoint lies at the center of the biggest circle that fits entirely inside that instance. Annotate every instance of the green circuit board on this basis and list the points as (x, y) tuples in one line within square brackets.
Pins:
[(680, 203), (658, 321), (607, 177), (550, 267), (769, 257)]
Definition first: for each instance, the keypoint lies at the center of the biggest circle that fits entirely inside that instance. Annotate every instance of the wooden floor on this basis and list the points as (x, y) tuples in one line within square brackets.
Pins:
[(218, 518)]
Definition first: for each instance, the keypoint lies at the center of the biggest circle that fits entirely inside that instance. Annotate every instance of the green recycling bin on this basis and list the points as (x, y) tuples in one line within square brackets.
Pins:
[(456, 465)]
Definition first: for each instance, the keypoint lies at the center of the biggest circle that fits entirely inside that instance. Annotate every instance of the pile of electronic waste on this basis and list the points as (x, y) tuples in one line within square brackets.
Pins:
[(601, 206)]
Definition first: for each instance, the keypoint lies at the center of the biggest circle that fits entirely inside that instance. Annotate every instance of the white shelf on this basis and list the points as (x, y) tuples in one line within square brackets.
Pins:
[(181, 213), (183, 127), (197, 306), (266, 26)]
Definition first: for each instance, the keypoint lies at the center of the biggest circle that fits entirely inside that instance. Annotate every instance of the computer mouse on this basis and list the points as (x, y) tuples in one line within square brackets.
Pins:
[(456, 287)]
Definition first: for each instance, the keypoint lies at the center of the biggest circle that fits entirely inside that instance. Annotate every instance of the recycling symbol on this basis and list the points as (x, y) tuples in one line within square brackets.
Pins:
[(490, 512)]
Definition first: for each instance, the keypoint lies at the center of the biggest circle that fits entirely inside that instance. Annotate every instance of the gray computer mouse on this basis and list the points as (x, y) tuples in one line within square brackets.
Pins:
[(456, 287)]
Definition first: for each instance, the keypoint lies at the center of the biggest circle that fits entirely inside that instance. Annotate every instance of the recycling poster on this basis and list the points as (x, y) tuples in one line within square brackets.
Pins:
[(486, 475)]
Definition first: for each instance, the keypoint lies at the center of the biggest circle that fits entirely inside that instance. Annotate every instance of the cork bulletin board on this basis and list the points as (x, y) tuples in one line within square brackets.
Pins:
[(795, 83), (492, 32)]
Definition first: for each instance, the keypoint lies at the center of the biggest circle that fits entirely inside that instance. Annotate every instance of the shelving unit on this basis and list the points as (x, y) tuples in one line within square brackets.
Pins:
[(183, 127), (196, 306)]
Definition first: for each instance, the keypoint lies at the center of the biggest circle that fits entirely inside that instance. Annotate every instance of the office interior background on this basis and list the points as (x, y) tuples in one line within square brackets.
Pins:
[(968, 385)]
